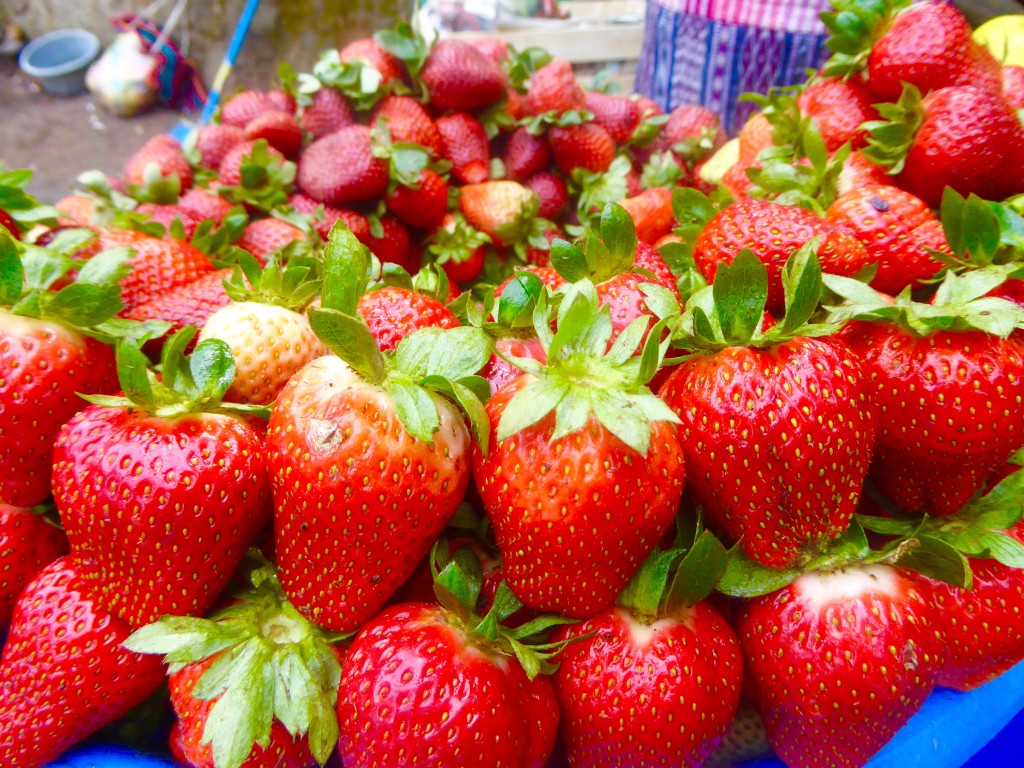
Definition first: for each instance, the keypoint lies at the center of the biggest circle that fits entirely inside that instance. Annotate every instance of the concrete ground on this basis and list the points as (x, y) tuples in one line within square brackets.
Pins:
[(58, 138)]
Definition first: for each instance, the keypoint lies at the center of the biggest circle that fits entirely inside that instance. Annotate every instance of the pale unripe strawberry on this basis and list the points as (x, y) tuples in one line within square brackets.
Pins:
[(270, 344)]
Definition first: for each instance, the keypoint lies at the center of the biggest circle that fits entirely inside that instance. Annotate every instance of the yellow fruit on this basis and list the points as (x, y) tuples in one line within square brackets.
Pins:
[(1004, 36)]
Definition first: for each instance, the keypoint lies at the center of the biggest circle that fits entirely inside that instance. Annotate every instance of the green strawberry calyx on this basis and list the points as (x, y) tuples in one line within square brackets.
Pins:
[(361, 83), (266, 180), (730, 312), (292, 286), (592, 190), (195, 383), (520, 65), (981, 233), (693, 210), (680, 576), (891, 137), (536, 125), (406, 160), (602, 253), (661, 170), (270, 663), (90, 303), (457, 242), (585, 377), (25, 209), (458, 581), (428, 363), (855, 26), (960, 303)]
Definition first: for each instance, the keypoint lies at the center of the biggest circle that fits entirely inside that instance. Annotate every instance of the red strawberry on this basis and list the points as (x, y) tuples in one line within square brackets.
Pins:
[(647, 107), (393, 246), (693, 132), (167, 215), (458, 248), (164, 155), (840, 107), (178, 548), (950, 407), (504, 210), (215, 141), (651, 211), (157, 266), (28, 543), (422, 206), (929, 45), (261, 237), (202, 204), (458, 77), (475, 705), (494, 48), (551, 192), (618, 115), (367, 50), (354, 220), (553, 88), (189, 304), (891, 225), (1013, 86), (328, 112), (464, 142), (245, 106), (525, 154), (675, 679), (64, 674), (280, 129), (859, 172), (230, 173), (581, 146), (548, 276), (340, 168), (392, 313), (408, 121), (755, 135), (560, 554), (773, 232), (838, 661), (499, 371)]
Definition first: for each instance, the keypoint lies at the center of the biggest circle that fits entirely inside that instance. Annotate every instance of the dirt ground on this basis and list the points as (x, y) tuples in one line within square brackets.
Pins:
[(58, 138)]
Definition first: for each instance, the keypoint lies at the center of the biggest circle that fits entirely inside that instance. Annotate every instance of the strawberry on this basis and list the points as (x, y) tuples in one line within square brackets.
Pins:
[(494, 48), (479, 696), (581, 146), (618, 115), (274, 708), (1013, 86), (503, 210), (76, 210), (423, 205), (755, 135), (246, 106), (8, 226), (464, 143), (500, 371), (340, 168), (410, 437), (269, 336), (548, 277), (859, 172), (28, 543), (261, 237), (526, 154), (840, 107), (553, 88), (393, 246), (161, 157), (325, 216), (892, 225), (693, 132), (948, 386), (201, 204), (243, 155), (189, 304), (369, 51), (551, 192), (458, 248), (64, 673), (962, 137), (212, 474), (929, 46), (772, 232), (761, 407), (280, 129), (670, 666), (45, 358), (392, 313), (157, 266), (408, 121), (838, 661), (651, 211), (548, 451), (215, 141), (327, 112), (167, 215), (458, 77)]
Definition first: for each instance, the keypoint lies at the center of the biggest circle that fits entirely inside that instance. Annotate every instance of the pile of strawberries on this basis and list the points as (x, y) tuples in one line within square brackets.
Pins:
[(433, 410)]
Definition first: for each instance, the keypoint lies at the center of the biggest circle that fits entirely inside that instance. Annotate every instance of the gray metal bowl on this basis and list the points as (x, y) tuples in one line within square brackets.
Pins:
[(58, 60)]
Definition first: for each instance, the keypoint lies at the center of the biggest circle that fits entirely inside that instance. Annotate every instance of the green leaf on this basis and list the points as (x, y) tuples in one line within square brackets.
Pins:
[(621, 416), (1003, 548), (11, 272), (568, 260), (747, 578), (888, 526), (936, 559), (619, 235), (106, 267), (571, 415), (531, 404), (644, 591), (453, 353), (415, 408), (212, 366), (628, 341), (350, 339), (346, 267), (134, 375), (801, 280), (84, 304), (243, 715), (698, 572), (519, 297), (473, 406), (740, 291), (44, 266), (182, 639)]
